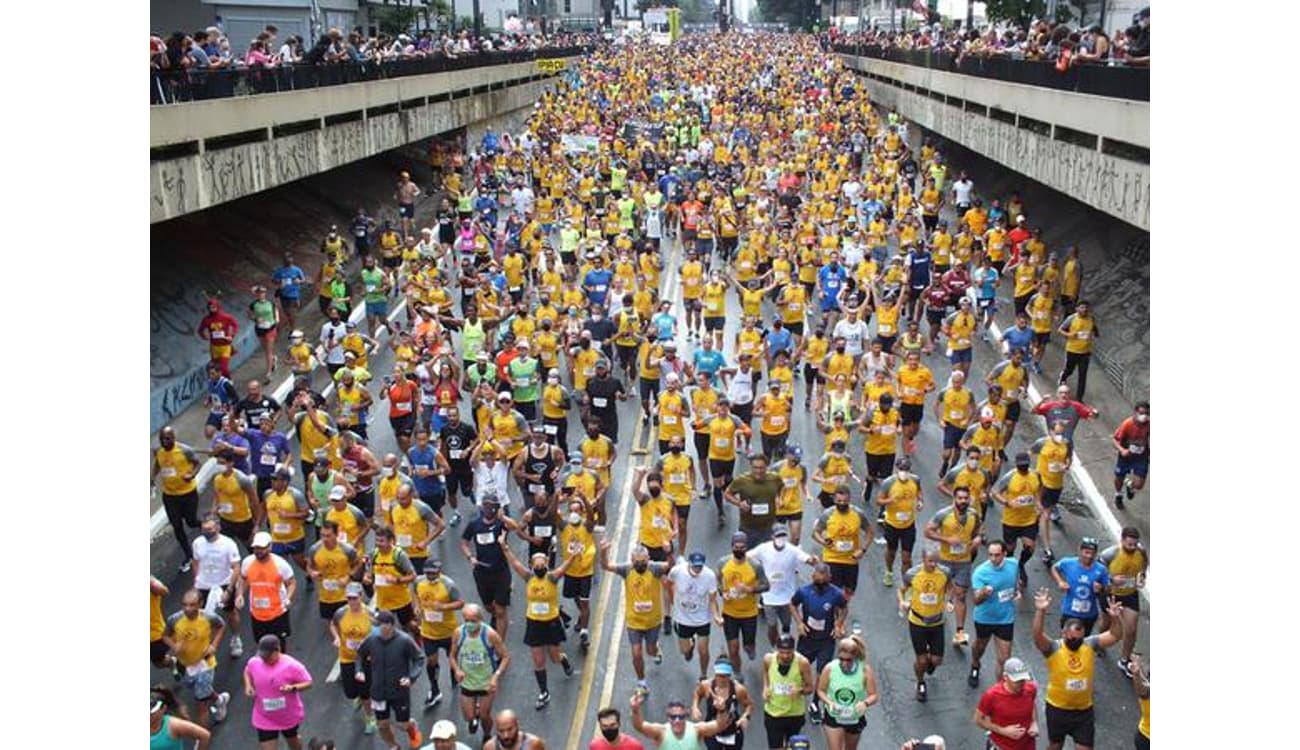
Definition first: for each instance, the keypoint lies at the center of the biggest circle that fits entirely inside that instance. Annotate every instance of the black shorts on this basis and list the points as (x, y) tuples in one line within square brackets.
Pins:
[(403, 426), (1051, 496), (844, 575), (1131, 601), (827, 499), (819, 651), (351, 688), (418, 564), (399, 709), (657, 554), (1042, 339), (781, 728), (543, 632), (745, 412), (1062, 723), (795, 329), (240, 531), (854, 727), (626, 355), (394, 262), (887, 343), (433, 645), (745, 628), (719, 468), (460, 480), (926, 640), (952, 435), (327, 609), (1011, 533), (649, 388), (1141, 741), (406, 210), (934, 317), (405, 615), (686, 632), (880, 467), (683, 511), (365, 501), (271, 735), (1013, 411), (279, 626), (893, 536), (714, 324), (1021, 303), (811, 375), (911, 413), (577, 587), (1003, 632), (493, 586)]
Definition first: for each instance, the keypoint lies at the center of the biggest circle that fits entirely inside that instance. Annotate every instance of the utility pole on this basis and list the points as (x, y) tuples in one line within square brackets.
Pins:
[(478, 20)]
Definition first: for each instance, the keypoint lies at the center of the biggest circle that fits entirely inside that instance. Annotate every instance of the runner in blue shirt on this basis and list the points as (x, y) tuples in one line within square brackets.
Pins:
[(596, 282), (288, 281), (995, 586), (830, 280), (665, 323), (820, 609), (1018, 337), (985, 280), (708, 361), (1081, 579), (779, 339)]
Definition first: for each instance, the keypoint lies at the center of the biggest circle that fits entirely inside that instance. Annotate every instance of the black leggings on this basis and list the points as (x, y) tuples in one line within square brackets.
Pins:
[(1079, 361), (182, 511)]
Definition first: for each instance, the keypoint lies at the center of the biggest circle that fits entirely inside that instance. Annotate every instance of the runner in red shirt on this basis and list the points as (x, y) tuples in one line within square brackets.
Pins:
[(1133, 443), (611, 738), (1017, 236), (218, 328), (1006, 710), (403, 396)]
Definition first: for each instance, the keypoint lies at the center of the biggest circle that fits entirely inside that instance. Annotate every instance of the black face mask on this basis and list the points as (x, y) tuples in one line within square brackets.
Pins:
[(842, 508), (210, 535), (820, 586), (586, 344), (1073, 643), (655, 491), (839, 349), (739, 554), (641, 566), (593, 434), (539, 572), (675, 448), (609, 734), (489, 513)]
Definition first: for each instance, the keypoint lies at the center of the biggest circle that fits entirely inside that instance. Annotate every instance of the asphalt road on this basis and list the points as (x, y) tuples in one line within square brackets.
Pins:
[(604, 676)]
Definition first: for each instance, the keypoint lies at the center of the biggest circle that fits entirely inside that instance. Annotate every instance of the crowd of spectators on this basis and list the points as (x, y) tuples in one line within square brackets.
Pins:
[(1040, 40), (209, 49)]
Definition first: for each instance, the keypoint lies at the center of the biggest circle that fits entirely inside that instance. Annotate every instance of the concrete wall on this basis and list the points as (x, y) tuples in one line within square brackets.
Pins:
[(193, 183), (1117, 119), (1119, 187)]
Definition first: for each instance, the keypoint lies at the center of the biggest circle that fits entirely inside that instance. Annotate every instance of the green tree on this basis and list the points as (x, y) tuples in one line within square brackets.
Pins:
[(396, 19), (1019, 11)]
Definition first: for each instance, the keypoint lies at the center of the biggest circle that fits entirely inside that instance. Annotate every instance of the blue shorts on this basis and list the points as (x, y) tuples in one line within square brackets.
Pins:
[(200, 684), (1132, 465), (379, 309), (289, 548), (959, 356), (952, 436)]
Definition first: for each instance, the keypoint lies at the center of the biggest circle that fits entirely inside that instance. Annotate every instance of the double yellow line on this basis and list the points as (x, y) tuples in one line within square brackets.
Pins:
[(603, 601)]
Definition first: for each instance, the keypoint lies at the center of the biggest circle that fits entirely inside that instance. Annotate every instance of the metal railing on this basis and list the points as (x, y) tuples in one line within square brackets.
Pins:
[(174, 86), (1118, 81)]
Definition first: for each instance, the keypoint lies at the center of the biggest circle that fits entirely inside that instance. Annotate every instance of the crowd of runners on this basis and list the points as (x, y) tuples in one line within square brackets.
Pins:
[(535, 306)]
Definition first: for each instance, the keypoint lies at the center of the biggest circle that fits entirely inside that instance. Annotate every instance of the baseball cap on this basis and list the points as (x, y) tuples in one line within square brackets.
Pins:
[(386, 618), (354, 589), (323, 463), (1022, 459), (1088, 543), (785, 641), (780, 529), (904, 463), (433, 563), (800, 742), (338, 493), (1015, 670), (723, 668), (269, 644), (696, 559), (739, 537), (261, 539), (442, 730)]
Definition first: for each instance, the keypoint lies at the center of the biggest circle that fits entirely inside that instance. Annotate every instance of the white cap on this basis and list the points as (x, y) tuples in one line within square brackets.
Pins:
[(985, 413), (442, 730), (261, 539), (338, 493)]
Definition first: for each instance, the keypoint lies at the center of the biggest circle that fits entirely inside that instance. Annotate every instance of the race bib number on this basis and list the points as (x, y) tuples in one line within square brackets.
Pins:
[(1084, 335), (379, 705), (273, 704), (722, 442), (642, 606), (1076, 684), (677, 478), (402, 405), (331, 584), (1024, 501), (543, 531), (268, 459), (600, 403), (790, 482), (485, 537), (433, 615), (540, 609), (963, 343), (659, 522), (902, 515), (1137, 450), (281, 528), (783, 688), (929, 599), (404, 540), (1082, 606), (262, 602), (383, 580), (226, 508), (777, 420), (729, 739), (352, 643), (536, 488), (957, 549), (1006, 595), (760, 509), (456, 454), (669, 419), (888, 429), (1055, 467), (816, 623), (168, 472), (551, 429), (843, 545)]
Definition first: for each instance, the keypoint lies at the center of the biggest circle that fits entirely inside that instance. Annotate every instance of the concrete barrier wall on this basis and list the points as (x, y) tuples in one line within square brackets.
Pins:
[(1118, 119), (1119, 187), (192, 183)]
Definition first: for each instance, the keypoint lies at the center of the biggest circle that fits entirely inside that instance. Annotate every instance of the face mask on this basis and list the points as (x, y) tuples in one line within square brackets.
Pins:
[(539, 572), (1058, 438), (1142, 418), (739, 554), (972, 463), (778, 543), (210, 535), (389, 471), (839, 349), (1073, 643), (641, 565), (489, 513), (593, 434), (655, 491), (596, 317), (903, 476), (675, 449), (586, 344), (609, 734), (472, 627)]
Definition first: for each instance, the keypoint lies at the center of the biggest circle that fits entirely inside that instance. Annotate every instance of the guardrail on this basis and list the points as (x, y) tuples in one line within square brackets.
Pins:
[(1118, 81), (175, 86)]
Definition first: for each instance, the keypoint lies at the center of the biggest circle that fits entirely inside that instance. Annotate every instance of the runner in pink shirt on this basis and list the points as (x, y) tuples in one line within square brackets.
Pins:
[(274, 680)]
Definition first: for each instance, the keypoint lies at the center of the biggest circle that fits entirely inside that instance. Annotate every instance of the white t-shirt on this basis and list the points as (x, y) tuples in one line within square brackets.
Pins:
[(215, 560), (741, 388), (691, 594), (851, 190), (963, 189), (854, 334), (494, 479), (782, 570), (333, 354)]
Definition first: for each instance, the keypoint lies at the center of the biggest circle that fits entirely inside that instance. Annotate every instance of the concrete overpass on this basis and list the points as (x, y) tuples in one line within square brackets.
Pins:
[(205, 153), (1093, 148)]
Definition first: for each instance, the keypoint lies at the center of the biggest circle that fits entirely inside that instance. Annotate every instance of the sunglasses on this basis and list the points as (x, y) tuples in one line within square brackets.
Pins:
[(677, 717)]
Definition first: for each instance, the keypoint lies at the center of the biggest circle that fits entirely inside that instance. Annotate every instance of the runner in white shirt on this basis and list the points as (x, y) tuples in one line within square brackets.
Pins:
[(693, 588), (854, 332), (216, 567), (780, 561), (962, 188), (491, 475)]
